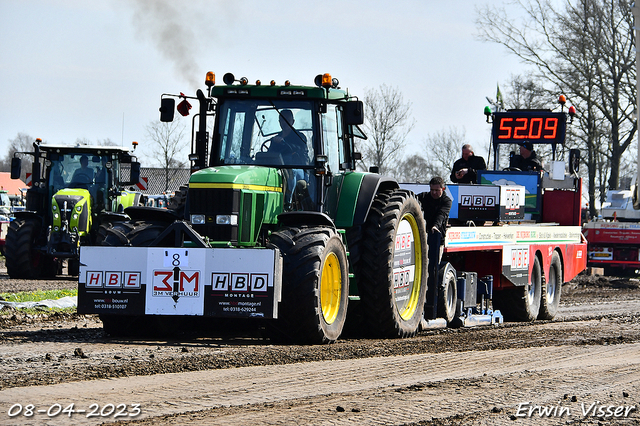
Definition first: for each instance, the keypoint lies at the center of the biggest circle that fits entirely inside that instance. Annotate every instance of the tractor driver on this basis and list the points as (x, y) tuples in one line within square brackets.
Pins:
[(84, 174), (289, 142), (292, 145)]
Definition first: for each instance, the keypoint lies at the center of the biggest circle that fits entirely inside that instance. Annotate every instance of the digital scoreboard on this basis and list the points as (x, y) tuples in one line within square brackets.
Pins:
[(533, 126)]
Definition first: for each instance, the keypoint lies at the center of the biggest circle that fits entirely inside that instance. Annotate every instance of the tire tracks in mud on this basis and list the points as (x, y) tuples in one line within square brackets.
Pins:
[(379, 390)]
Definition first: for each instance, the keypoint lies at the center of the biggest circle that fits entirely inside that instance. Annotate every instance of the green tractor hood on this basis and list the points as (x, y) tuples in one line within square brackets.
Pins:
[(229, 204), (255, 178)]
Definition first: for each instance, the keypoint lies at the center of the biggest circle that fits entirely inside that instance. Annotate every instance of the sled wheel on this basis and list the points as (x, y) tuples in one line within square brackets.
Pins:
[(447, 293), (315, 285), (551, 290), (22, 260), (523, 303), (392, 268)]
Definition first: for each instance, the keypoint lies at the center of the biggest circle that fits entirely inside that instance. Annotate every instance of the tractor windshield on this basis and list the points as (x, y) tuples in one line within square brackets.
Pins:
[(265, 133), (82, 170)]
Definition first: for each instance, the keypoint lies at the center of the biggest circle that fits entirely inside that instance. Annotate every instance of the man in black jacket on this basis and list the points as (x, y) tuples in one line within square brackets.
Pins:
[(435, 206), (528, 160), (465, 170)]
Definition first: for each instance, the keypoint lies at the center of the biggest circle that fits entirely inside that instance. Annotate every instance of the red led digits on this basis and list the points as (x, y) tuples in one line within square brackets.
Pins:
[(551, 125), (536, 123), (532, 128), (520, 132), (503, 128)]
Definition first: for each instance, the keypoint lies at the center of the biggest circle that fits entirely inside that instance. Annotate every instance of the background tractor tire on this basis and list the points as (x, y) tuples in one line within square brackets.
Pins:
[(179, 201), (115, 234), (22, 260), (136, 234), (315, 285), (522, 303), (390, 304), (551, 290)]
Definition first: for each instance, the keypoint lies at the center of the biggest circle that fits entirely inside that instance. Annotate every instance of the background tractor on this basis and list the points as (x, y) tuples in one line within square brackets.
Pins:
[(75, 190)]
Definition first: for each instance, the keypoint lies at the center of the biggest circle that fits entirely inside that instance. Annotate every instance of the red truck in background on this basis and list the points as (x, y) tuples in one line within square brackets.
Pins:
[(614, 240)]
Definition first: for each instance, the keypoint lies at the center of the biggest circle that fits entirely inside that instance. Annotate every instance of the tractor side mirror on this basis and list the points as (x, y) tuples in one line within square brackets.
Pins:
[(354, 113), (135, 173), (574, 161), (16, 168), (167, 109)]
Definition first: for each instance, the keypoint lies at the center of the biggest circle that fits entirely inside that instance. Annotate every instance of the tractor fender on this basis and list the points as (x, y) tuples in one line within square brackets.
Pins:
[(29, 214), (151, 214), (357, 195), (297, 218), (110, 217)]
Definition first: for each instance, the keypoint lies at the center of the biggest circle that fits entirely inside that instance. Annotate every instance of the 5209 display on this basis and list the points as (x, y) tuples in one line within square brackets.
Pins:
[(533, 126)]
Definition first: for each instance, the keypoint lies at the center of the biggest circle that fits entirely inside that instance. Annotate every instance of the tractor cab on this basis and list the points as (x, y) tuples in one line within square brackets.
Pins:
[(303, 134), (74, 190)]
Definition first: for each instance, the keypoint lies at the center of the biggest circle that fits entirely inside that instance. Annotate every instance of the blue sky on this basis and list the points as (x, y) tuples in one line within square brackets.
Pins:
[(95, 70)]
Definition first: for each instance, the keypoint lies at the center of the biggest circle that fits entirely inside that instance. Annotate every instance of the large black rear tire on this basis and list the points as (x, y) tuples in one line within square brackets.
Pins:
[(315, 285), (522, 303), (551, 290), (392, 269), (22, 260)]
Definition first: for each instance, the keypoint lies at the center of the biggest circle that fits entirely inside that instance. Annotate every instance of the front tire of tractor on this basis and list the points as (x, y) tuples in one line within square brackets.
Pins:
[(22, 260), (315, 285), (551, 290), (138, 234), (392, 270), (523, 303)]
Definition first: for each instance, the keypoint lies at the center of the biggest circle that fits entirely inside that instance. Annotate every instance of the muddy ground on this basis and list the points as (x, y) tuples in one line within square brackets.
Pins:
[(46, 350)]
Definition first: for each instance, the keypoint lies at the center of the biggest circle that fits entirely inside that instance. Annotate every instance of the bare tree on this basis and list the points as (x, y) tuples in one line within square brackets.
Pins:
[(586, 50), (415, 169), (168, 143), (443, 148), (387, 123), (21, 143)]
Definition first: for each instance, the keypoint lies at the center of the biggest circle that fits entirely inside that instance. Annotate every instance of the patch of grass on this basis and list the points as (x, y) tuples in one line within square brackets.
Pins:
[(35, 296)]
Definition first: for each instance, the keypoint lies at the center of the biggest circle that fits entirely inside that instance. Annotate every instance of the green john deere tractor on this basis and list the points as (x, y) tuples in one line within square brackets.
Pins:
[(75, 191), (275, 225)]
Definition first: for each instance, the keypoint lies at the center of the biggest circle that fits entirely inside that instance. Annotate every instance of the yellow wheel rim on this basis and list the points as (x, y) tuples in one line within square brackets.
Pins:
[(331, 288), (412, 305)]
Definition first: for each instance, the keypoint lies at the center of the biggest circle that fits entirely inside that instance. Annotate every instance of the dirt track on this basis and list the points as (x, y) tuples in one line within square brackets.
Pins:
[(589, 355)]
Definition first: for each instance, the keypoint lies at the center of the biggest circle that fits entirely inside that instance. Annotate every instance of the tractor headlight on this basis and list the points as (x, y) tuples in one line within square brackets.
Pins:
[(55, 228), (197, 219), (227, 219), (75, 216), (78, 208), (54, 207), (56, 215)]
